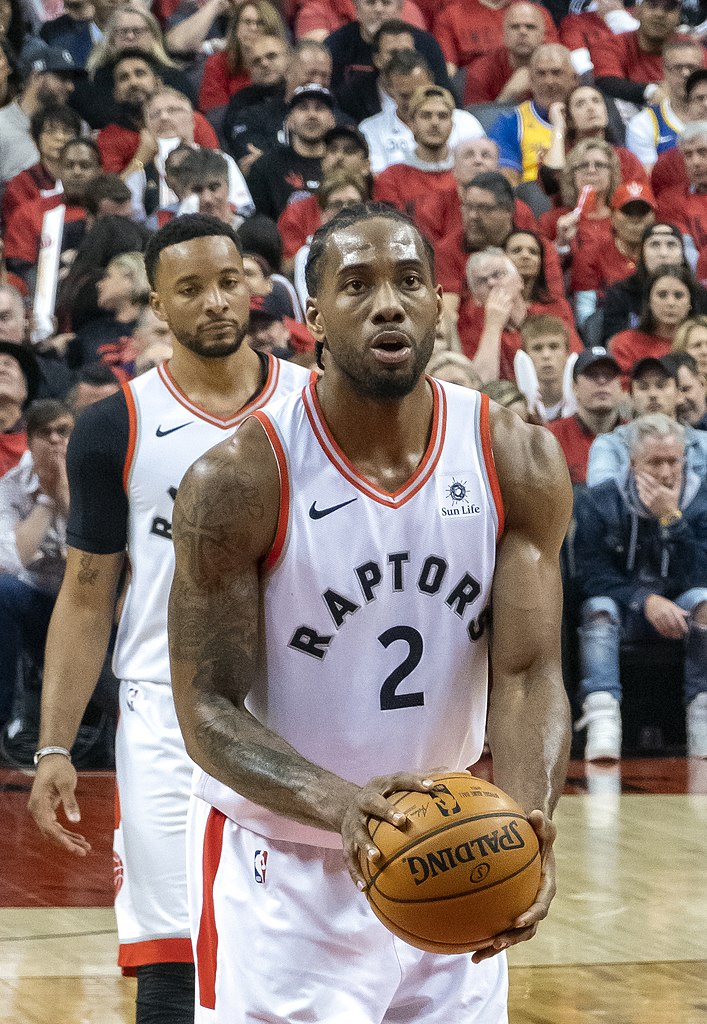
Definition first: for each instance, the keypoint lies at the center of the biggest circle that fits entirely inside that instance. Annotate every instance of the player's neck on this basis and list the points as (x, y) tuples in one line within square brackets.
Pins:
[(385, 440), (219, 386)]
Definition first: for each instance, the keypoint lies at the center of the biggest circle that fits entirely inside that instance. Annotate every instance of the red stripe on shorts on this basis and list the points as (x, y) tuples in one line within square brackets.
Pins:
[(207, 942)]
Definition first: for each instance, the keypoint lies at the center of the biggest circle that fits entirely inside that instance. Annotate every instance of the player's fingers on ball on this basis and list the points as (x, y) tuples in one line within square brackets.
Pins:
[(376, 806)]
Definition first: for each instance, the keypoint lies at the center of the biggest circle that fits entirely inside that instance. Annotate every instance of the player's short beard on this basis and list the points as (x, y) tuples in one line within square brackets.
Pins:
[(384, 385), (221, 351)]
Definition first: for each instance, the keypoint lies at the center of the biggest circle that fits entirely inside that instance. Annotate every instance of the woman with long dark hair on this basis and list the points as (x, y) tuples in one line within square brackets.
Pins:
[(668, 301), (527, 253), (662, 245)]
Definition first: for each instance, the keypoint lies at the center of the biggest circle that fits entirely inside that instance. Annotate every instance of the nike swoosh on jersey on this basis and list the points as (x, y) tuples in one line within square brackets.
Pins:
[(163, 433), (319, 513)]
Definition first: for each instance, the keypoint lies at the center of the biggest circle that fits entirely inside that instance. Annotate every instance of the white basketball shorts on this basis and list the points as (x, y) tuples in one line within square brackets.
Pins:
[(281, 934), (153, 775)]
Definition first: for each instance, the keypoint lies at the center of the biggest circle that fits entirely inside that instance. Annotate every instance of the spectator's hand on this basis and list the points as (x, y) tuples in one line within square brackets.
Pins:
[(666, 617), (147, 148), (566, 228), (557, 116), (53, 480), (527, 924), (605, 7), (517, 86), (246, 162), (659, 95), (659, 500), (499, 305), (55, 784), (57, 343)]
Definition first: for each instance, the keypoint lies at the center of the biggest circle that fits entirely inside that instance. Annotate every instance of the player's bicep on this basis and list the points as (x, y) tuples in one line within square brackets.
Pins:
[(90, 579)]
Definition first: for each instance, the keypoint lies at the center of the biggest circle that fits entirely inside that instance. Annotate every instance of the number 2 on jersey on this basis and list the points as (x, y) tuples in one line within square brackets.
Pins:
[(390, 699)]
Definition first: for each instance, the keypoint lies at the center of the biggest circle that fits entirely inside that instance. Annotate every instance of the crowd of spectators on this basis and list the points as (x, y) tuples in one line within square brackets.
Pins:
[(555, 156)]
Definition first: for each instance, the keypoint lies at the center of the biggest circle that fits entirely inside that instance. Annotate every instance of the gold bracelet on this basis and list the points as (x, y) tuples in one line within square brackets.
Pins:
[(139, 165), (670, 518)]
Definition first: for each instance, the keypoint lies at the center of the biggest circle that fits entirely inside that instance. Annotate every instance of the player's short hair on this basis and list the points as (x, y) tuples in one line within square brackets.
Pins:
[(55, 114), (183, 229), (346, 219)]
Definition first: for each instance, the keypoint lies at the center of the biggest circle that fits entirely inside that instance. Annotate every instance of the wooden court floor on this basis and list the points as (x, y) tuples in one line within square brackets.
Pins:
[(626, 941)]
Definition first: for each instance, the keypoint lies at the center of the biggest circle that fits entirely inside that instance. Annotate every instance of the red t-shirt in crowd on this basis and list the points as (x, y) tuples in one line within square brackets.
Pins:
[(597, 267), (119, 145), (622, 57), (582, 31), (297, 222), (688, 211), (25, 187), (575, 440), (408, 188), (669, 173), (314, 15), (491, 73), (589, 231), (470, 326), (467, 30), (24, 231), (219, 83), (13, 445), (627, 347)]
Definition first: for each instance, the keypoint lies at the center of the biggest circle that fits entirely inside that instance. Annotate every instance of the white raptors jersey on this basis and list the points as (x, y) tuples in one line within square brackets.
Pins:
[(375, 605), (167, 434)]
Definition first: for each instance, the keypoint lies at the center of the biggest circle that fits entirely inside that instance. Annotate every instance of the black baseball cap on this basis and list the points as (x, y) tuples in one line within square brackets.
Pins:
[(663, 365), (347, 131), (273, 306), (59, 62), (313, 91), (28, 364), (592, 357)]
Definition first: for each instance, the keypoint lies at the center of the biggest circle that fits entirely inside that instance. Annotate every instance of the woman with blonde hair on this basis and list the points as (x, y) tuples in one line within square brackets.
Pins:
[(455, 368), (131, 28), (226, 72), (691, 337), (594, 165)]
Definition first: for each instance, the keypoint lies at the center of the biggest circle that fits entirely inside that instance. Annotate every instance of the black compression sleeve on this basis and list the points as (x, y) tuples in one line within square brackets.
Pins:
[(98, 511), (622, 89)]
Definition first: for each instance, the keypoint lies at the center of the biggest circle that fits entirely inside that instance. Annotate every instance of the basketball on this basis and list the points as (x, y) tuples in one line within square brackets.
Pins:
[(464, 868)]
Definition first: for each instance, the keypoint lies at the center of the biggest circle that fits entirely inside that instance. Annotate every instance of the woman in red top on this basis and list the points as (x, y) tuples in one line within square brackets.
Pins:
[(669, 300), (525, 250), (592, 164), (227, 72)]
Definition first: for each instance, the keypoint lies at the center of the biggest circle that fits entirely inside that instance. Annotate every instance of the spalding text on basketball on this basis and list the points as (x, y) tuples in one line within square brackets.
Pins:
[(448, 858)]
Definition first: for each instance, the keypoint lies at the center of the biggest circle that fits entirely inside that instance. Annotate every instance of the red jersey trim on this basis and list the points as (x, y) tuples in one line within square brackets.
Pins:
[(154, 951), (490, 463), (340, 462), (132, 435), (224, 422), (207, 940), (283, 516)]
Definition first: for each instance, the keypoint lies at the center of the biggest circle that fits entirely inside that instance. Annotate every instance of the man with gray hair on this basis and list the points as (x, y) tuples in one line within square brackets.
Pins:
[(641, 565), (685, 205), (488, 324)]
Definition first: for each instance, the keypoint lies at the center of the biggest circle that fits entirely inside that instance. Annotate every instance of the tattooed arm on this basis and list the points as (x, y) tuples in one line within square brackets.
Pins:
[(225, 519), (76, 648)]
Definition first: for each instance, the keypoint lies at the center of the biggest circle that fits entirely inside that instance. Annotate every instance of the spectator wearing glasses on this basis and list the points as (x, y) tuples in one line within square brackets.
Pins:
[(591, 164), (656, 129)]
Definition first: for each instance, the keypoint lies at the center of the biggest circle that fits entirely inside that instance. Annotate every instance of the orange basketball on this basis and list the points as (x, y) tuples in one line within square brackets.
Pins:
[(464, 868)]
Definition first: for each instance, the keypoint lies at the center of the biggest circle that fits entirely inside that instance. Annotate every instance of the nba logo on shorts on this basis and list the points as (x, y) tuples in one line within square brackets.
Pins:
[(260, 862)]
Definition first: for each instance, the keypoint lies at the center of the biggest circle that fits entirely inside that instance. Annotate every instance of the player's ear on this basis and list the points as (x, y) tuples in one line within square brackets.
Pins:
[(157, 308), (313, 318), (440, 304)]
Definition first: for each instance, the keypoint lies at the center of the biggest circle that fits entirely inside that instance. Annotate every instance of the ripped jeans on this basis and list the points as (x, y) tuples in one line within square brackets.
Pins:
[(600, 641)]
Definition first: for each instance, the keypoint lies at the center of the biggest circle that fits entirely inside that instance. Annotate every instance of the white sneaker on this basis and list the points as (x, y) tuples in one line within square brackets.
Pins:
[(602, 719), (697, 726)]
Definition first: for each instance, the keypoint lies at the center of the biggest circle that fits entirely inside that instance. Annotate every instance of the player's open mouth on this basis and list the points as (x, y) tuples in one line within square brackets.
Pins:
[(391, 347)]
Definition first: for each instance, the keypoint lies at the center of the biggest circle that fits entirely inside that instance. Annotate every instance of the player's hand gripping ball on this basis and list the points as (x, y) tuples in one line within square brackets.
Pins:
[(465, 867)]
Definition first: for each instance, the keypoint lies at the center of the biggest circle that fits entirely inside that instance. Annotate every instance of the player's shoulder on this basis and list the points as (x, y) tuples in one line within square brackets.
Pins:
[(101, 421), (532, 470)]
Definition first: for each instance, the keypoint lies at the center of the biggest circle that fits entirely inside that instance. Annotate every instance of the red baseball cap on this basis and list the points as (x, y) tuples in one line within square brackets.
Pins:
[(633, 192)]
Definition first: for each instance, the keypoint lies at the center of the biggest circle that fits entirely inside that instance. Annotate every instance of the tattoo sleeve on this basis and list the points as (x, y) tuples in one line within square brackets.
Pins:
[(222, 526)]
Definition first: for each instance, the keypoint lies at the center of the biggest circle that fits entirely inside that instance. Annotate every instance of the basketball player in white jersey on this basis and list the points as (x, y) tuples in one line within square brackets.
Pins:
[(336, 562), (129, 456)]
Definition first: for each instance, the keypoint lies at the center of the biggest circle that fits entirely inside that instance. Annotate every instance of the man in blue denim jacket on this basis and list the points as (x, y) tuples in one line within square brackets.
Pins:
[(641, 564)]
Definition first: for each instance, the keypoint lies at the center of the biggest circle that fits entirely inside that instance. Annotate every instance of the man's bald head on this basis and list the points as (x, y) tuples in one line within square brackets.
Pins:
[(523, 30), (475, 156)]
